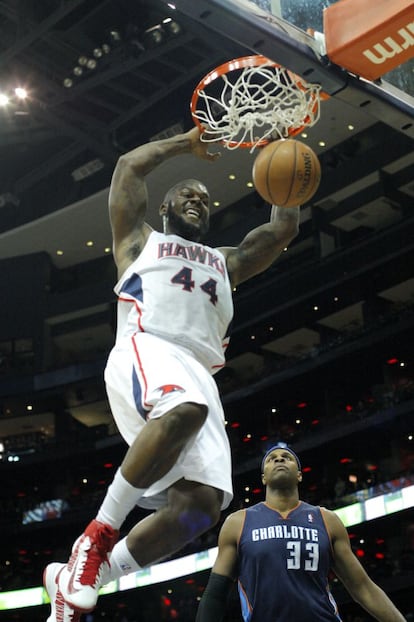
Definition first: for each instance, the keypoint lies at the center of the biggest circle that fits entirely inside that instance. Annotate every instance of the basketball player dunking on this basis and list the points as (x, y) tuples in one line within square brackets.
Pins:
[(174, 312), (282, 552)]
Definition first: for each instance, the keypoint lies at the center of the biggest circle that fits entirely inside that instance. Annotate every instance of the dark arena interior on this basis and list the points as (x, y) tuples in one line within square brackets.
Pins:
[(321, 352)]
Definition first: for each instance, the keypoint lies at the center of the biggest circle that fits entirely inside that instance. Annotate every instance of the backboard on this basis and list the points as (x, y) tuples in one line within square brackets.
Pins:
[(280, 30)]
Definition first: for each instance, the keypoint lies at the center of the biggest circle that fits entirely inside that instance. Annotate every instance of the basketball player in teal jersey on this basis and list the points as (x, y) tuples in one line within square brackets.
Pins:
[(174, 312), (281, 552)]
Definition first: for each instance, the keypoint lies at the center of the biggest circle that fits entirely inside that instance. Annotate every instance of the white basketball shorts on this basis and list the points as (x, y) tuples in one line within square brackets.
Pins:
[(145, 378)]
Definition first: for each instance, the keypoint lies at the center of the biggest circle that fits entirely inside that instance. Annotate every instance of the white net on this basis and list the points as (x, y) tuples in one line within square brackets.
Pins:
[(260, 104)]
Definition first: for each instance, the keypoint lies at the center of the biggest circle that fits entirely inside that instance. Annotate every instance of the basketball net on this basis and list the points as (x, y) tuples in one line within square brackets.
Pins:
[(257, 101)]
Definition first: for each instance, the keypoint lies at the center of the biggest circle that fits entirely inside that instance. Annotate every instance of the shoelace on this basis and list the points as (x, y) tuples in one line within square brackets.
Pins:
[(93, 567), (95, 559)]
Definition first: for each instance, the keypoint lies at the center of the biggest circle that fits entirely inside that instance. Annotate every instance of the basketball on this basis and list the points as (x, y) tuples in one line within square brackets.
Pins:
[(286, 172)]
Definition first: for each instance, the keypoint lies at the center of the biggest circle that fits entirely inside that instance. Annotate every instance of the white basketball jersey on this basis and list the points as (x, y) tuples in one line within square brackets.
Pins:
[(179, 290)]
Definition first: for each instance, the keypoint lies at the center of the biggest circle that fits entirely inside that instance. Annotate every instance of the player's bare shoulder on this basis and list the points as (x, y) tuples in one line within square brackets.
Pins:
[(333, 523), (233, 525)]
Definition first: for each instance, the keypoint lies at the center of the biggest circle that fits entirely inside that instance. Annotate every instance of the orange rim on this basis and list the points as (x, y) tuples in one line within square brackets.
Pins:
[(241, 63)]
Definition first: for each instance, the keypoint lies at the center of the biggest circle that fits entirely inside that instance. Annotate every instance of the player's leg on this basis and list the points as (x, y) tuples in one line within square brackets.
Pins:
[(192, 509), (158, 388), (151, 456), (158, 446), (193, 502)]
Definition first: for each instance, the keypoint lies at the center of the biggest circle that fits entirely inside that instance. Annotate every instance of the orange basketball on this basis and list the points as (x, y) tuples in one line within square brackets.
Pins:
[(286, 172)]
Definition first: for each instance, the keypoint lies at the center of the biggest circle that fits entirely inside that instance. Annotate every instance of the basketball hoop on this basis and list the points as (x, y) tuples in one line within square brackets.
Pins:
[(256, 101)]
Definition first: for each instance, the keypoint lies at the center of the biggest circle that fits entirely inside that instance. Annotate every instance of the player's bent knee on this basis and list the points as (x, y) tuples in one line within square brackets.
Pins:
[(196, 507)]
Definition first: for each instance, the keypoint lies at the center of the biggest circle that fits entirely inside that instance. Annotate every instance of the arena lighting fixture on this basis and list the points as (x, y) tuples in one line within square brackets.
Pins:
[(87, 169), (91, 64), (20, 92), (171, 26), (153, 36), (90, 61), (115, 37)]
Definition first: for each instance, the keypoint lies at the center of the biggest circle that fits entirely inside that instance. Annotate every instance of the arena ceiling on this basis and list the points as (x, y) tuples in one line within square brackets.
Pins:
[(143, 59), (58, 149)]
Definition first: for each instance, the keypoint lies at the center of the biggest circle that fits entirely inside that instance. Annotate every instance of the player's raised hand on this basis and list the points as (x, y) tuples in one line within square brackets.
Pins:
[(201, 148)]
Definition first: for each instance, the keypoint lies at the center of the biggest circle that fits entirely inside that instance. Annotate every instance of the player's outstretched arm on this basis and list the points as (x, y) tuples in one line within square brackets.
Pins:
[(212, 605), (128, 191), (263, 245), (350, 572)]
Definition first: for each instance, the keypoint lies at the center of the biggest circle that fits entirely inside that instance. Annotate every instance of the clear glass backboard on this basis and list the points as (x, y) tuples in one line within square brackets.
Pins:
[(307, 14)]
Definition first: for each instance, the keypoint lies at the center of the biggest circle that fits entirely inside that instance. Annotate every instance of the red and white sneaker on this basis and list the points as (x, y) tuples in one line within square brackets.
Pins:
[(60, 611), (88, 566)]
